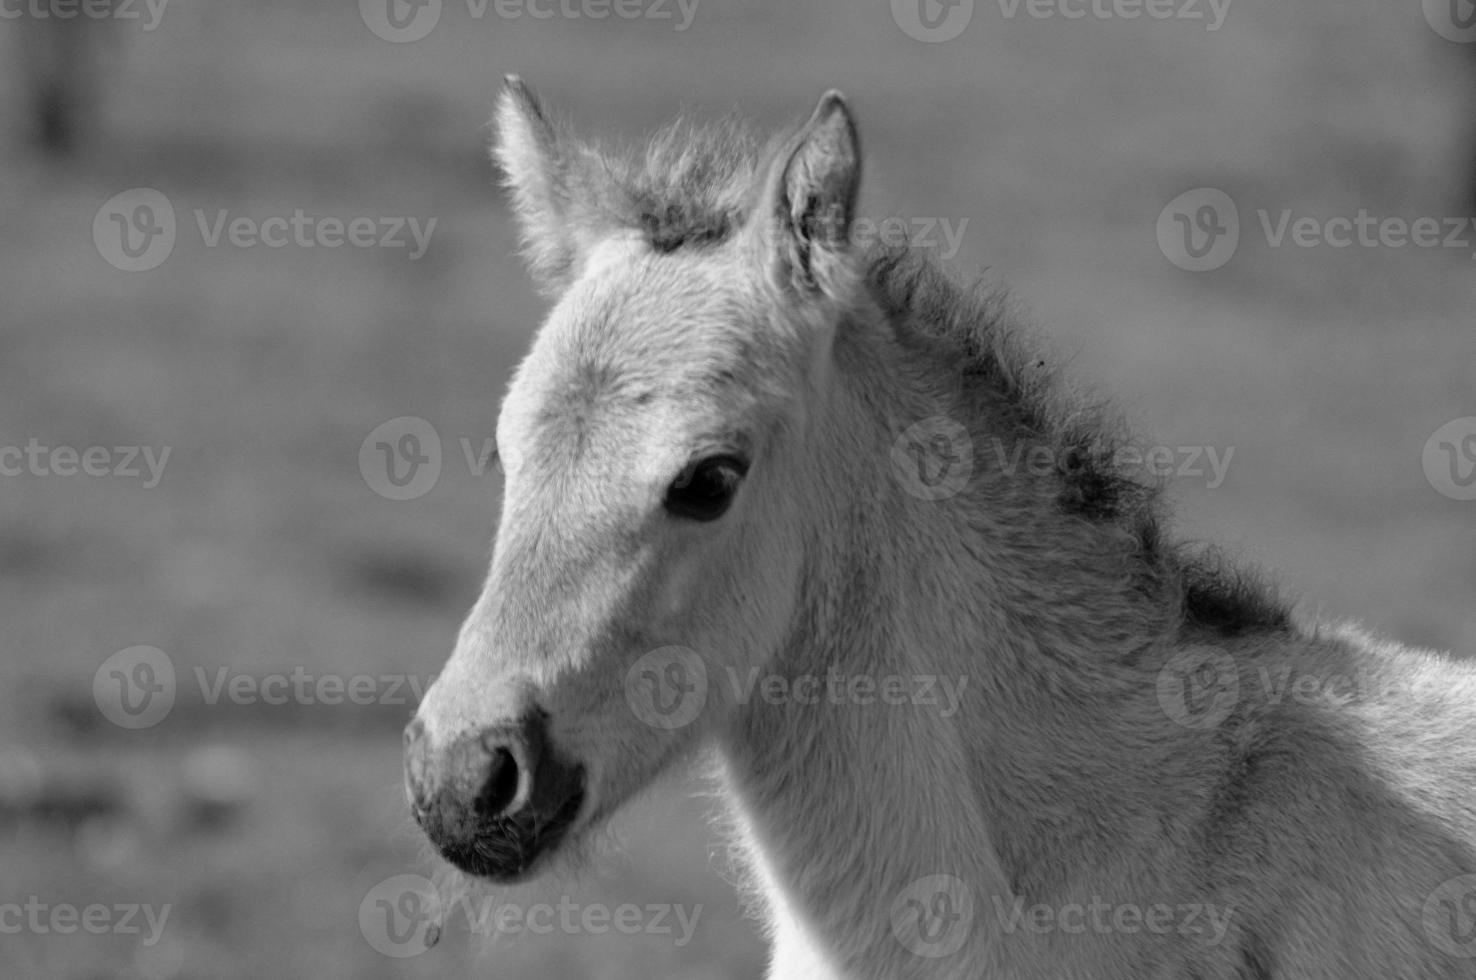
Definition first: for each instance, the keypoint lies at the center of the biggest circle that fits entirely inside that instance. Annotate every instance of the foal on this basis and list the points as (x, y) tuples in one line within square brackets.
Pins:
[(975, 719)]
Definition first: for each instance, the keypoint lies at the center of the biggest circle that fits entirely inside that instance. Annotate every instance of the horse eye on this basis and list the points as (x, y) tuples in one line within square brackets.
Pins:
[(705, 489)]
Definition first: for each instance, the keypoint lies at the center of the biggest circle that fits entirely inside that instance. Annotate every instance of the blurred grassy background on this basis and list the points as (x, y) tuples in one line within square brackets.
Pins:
[(263, 550)]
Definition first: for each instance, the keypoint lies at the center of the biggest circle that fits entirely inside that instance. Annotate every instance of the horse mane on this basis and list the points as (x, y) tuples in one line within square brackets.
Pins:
[(693, 185), (976, 329)]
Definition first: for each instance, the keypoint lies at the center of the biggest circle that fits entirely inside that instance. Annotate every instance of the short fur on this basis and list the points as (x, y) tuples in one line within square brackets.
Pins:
[(1142, 727)]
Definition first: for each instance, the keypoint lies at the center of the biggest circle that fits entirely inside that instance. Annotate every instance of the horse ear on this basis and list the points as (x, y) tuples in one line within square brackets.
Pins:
[(809, 201), (541, 165)]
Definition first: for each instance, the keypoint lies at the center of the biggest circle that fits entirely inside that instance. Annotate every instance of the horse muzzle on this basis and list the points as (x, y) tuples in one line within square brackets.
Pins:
[(492, 801)]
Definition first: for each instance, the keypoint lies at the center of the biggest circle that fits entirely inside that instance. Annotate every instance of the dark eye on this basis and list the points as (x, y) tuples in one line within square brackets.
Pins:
[(706, 488)]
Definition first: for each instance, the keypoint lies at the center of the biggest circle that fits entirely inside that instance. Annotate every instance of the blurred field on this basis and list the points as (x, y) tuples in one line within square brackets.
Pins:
[(263, 550)]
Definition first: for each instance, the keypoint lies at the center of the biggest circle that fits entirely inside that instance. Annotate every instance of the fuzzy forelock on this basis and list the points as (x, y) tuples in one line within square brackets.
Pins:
[(689, 185)]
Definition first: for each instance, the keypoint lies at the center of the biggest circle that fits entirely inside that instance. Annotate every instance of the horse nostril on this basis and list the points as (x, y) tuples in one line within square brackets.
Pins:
[(501, 787)]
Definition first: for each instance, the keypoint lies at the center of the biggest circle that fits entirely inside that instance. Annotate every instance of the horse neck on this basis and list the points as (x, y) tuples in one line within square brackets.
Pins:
[(1020, 608)]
